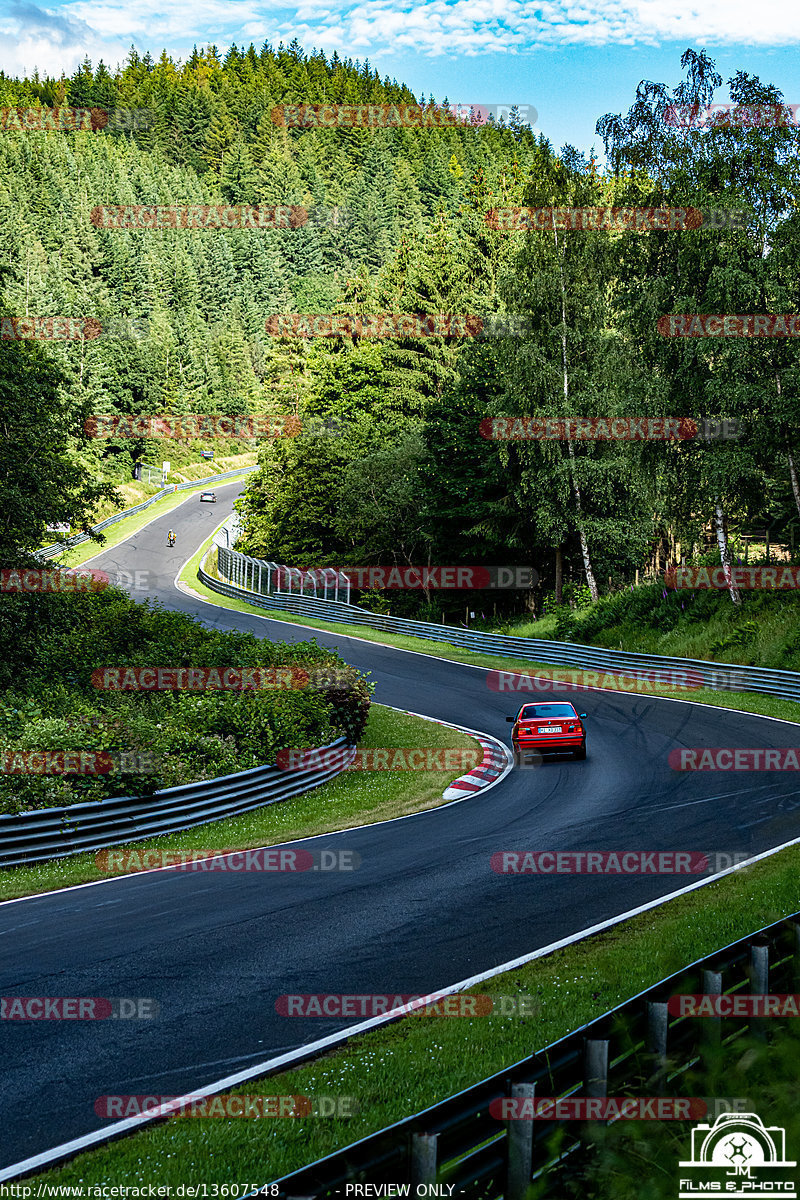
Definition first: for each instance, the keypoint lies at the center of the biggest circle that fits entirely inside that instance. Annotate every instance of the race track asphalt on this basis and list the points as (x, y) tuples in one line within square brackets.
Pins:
[(423, 910)]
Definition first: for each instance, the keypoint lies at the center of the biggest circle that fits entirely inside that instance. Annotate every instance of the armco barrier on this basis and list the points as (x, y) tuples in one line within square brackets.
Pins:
[(636, 1049), (58, 832), (78, 538), (715, 676)]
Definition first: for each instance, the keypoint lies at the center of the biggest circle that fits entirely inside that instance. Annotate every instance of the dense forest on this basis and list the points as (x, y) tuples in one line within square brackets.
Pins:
[(408, 478)]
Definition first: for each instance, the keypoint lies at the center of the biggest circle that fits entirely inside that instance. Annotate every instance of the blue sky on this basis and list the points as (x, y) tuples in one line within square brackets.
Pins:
[(572, 62)]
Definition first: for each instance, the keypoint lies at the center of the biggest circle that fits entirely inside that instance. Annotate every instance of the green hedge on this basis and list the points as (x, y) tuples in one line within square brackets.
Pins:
[(53, 644)]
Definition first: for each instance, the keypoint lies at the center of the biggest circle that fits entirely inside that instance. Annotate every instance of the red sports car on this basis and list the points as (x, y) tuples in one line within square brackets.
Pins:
[(549, 729)]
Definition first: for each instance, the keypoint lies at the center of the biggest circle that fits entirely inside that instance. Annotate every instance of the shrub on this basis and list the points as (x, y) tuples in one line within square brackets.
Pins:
[(55, 643)]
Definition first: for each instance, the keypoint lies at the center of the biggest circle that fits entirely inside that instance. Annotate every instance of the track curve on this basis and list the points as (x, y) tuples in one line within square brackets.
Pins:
[(423, 911)]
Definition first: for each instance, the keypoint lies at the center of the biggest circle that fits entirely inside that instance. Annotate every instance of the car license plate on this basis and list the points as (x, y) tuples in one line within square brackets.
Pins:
[(549, 729)]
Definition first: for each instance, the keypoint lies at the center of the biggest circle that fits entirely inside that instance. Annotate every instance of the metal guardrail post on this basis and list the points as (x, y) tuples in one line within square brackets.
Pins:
[(795, 932), (656, 1042), (423, 1158), (519, 1139), (595, 1068), (712, 1026), (759, 984)]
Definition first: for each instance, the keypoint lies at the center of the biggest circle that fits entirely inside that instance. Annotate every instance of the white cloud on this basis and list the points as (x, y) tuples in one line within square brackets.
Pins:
[(60, 37)]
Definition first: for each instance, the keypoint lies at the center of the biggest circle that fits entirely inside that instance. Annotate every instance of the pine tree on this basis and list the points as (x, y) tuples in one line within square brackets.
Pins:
[(193, 109), (80, 88), (238, 179), (221, 135)]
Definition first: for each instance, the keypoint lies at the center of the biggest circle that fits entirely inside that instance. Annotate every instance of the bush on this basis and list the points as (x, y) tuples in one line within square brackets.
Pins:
[(56, 641), (374, 601)]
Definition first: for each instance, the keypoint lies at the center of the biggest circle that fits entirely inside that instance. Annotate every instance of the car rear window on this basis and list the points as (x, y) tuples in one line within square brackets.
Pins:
[(535, 712)]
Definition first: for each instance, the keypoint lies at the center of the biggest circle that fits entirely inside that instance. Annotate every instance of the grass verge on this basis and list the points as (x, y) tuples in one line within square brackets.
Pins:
[(768, 706), (398, 1070), (353, 798)]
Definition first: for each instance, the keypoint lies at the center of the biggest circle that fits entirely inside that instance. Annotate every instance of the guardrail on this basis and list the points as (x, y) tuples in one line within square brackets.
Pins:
[(713, 675), (265, 578), (634, 1049), (78, 538), (48, 833)]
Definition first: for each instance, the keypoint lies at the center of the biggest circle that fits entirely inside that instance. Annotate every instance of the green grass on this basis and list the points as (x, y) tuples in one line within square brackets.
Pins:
[(354, 798), (762, 631), (765, 632), (769, 706), (398, 1070)]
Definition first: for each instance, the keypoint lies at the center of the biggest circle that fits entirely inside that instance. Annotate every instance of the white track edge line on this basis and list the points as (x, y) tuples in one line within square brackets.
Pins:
[(68, 1149)]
